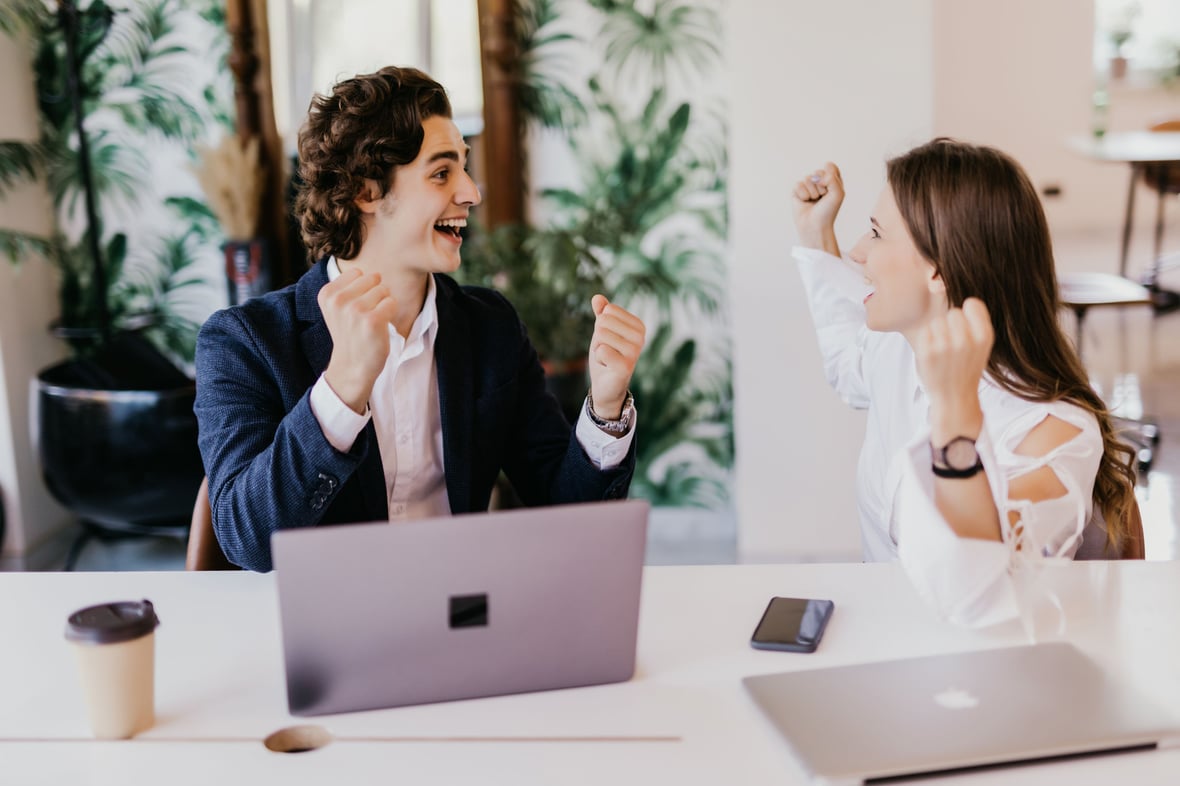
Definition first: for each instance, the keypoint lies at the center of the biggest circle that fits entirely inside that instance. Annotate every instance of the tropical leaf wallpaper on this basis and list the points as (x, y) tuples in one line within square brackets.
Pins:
[(627, 152), (153, 83)]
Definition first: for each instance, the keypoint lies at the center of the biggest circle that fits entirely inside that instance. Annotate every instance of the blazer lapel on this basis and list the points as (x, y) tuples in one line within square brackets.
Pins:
[(371, 474), (314, 336), (452, 354), (317, 347)]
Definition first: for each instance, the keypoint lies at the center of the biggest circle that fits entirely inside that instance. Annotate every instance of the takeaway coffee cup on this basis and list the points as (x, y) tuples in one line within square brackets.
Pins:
[(115, 648)]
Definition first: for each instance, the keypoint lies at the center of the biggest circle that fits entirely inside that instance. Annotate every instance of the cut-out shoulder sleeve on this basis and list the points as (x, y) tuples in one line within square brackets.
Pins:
[(835, 295), (969, 581)]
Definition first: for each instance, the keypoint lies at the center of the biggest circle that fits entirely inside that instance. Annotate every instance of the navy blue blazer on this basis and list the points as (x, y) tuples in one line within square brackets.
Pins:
[(270, 466)]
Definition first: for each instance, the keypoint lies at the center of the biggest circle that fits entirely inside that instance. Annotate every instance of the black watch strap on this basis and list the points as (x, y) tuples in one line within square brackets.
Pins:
[(947, 472), (942, 466)]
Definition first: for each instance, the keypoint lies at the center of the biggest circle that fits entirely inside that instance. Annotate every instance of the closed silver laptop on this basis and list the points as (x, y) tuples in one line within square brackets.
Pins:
[(384, 615), (949, 712)]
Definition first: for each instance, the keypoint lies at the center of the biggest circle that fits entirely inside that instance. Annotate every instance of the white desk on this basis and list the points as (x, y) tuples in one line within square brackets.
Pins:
[(684, 719)]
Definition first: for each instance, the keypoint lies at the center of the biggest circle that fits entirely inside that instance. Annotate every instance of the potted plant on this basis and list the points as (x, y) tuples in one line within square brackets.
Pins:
[(232, 177), (1120, 33), (549, 276), (116, 434)]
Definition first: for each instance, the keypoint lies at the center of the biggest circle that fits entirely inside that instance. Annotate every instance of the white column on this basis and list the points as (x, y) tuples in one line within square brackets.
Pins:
[(28, 302), (847, 81)]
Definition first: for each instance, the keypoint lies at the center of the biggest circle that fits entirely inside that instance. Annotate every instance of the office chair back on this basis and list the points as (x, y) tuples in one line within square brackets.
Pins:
[(1132, 545), (204, 552)]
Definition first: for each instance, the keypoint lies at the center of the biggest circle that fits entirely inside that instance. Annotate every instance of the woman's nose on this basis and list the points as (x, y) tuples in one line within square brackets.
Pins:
[(857, 254)]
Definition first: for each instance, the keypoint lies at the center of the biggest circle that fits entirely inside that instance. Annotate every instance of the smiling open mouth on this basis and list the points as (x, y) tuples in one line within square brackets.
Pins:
[(450, 226)]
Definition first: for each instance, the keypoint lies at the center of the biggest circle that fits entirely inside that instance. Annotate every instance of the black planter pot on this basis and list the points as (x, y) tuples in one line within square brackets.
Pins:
[(124, 461)]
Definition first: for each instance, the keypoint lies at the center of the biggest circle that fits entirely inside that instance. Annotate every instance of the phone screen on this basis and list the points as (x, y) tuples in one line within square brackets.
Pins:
[(792, 624)]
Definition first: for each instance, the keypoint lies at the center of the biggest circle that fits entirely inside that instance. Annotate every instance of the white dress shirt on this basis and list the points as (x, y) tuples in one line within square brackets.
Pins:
[(967, 580), (407, 418)]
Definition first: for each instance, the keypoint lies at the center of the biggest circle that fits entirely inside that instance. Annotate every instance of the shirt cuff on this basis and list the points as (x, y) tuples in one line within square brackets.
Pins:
[(605, 451), (337, 420), (965, 579)]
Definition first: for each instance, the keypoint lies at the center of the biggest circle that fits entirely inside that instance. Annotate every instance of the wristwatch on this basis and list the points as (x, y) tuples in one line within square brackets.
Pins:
[(620, 426), (957, 459)]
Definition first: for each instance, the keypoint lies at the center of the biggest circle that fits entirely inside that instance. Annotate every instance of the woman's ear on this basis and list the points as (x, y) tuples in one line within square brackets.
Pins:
[(935, 283), (937, 288), (370, 197)]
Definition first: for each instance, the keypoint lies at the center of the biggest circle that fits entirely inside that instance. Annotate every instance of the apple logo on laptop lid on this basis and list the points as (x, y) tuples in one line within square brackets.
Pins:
[(956, 699)]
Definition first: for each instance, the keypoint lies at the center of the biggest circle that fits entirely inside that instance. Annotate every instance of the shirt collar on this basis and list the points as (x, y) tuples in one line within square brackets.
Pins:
[(427, 317)]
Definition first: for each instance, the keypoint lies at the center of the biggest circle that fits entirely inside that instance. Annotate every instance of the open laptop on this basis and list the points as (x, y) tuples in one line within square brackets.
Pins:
[(384, 615), (947, 712)]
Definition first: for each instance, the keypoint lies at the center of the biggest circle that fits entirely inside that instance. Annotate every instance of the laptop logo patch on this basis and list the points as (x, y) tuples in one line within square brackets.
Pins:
[(469, 611), (956, 699)]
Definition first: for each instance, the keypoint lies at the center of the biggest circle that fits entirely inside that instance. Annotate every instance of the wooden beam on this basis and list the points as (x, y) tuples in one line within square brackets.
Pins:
[(249, 60), (243, 62), (502, 134)]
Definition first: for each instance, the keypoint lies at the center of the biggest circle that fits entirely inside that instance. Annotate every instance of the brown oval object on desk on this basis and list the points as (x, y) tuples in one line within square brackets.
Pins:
[(298, 739)]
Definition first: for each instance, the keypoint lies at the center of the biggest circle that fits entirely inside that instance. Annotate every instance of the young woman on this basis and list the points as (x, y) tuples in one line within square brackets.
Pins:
[(985, 444)]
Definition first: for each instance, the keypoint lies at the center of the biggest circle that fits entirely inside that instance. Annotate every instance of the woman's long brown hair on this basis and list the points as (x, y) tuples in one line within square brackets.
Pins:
[(973, 213)]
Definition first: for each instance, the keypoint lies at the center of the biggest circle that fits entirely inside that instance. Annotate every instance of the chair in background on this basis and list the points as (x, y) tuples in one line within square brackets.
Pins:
[(204, 552), (1132, 547), (1080, 292), (1164, 179)]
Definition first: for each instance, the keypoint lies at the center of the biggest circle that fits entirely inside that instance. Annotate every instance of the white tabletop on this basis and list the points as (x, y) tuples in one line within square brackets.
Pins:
[(683, 719), (1135, 147)]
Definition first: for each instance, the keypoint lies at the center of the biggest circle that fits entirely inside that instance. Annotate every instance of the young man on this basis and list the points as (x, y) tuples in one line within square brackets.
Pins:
[(376, 387)]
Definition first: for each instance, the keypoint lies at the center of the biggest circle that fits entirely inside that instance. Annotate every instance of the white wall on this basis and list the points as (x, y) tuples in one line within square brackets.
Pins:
[(1023, 87), (1018, 74), (844, 80), (28, 301)]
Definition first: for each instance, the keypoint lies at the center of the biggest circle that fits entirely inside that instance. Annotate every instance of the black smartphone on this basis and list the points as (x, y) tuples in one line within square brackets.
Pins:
[(792, 624)]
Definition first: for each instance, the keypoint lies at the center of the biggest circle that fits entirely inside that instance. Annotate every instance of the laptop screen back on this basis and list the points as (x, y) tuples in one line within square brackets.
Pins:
[(947, 712), (383, 615)]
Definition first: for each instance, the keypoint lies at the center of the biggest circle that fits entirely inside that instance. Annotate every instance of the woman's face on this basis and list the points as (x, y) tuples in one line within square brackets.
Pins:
[(906, 291)]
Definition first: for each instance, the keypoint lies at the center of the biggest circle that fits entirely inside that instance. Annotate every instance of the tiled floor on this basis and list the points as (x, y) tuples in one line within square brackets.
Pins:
[(1133, 355)]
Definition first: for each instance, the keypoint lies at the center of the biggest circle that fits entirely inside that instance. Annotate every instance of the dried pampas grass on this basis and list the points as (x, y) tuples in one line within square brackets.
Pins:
[(232, 178)]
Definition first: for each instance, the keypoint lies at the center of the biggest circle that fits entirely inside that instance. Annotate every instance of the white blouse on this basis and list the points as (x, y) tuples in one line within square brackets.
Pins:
[(967, 580)]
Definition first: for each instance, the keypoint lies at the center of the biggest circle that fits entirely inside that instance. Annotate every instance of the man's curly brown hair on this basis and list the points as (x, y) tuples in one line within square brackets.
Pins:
[(369, 125)]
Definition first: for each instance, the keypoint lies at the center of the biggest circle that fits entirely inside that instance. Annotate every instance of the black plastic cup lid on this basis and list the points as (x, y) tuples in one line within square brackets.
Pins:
[(109, 623)]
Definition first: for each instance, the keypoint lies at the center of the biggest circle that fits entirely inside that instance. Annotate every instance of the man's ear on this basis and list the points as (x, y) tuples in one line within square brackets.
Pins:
[(370, 197)]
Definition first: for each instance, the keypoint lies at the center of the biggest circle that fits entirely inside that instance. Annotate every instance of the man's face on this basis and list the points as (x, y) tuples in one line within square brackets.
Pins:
[(416, 224)]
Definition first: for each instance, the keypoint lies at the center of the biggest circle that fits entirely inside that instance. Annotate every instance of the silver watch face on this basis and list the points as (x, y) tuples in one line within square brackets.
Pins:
[(960, 453)]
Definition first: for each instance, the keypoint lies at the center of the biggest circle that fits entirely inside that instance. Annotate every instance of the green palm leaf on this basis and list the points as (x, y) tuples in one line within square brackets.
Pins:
[(680, 271), (19, 246), (118, 169), (680, 410), (19, 162), (146, 67), (543, 54), (22, 17), (197, 217), (681, 485), (673, 36)]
